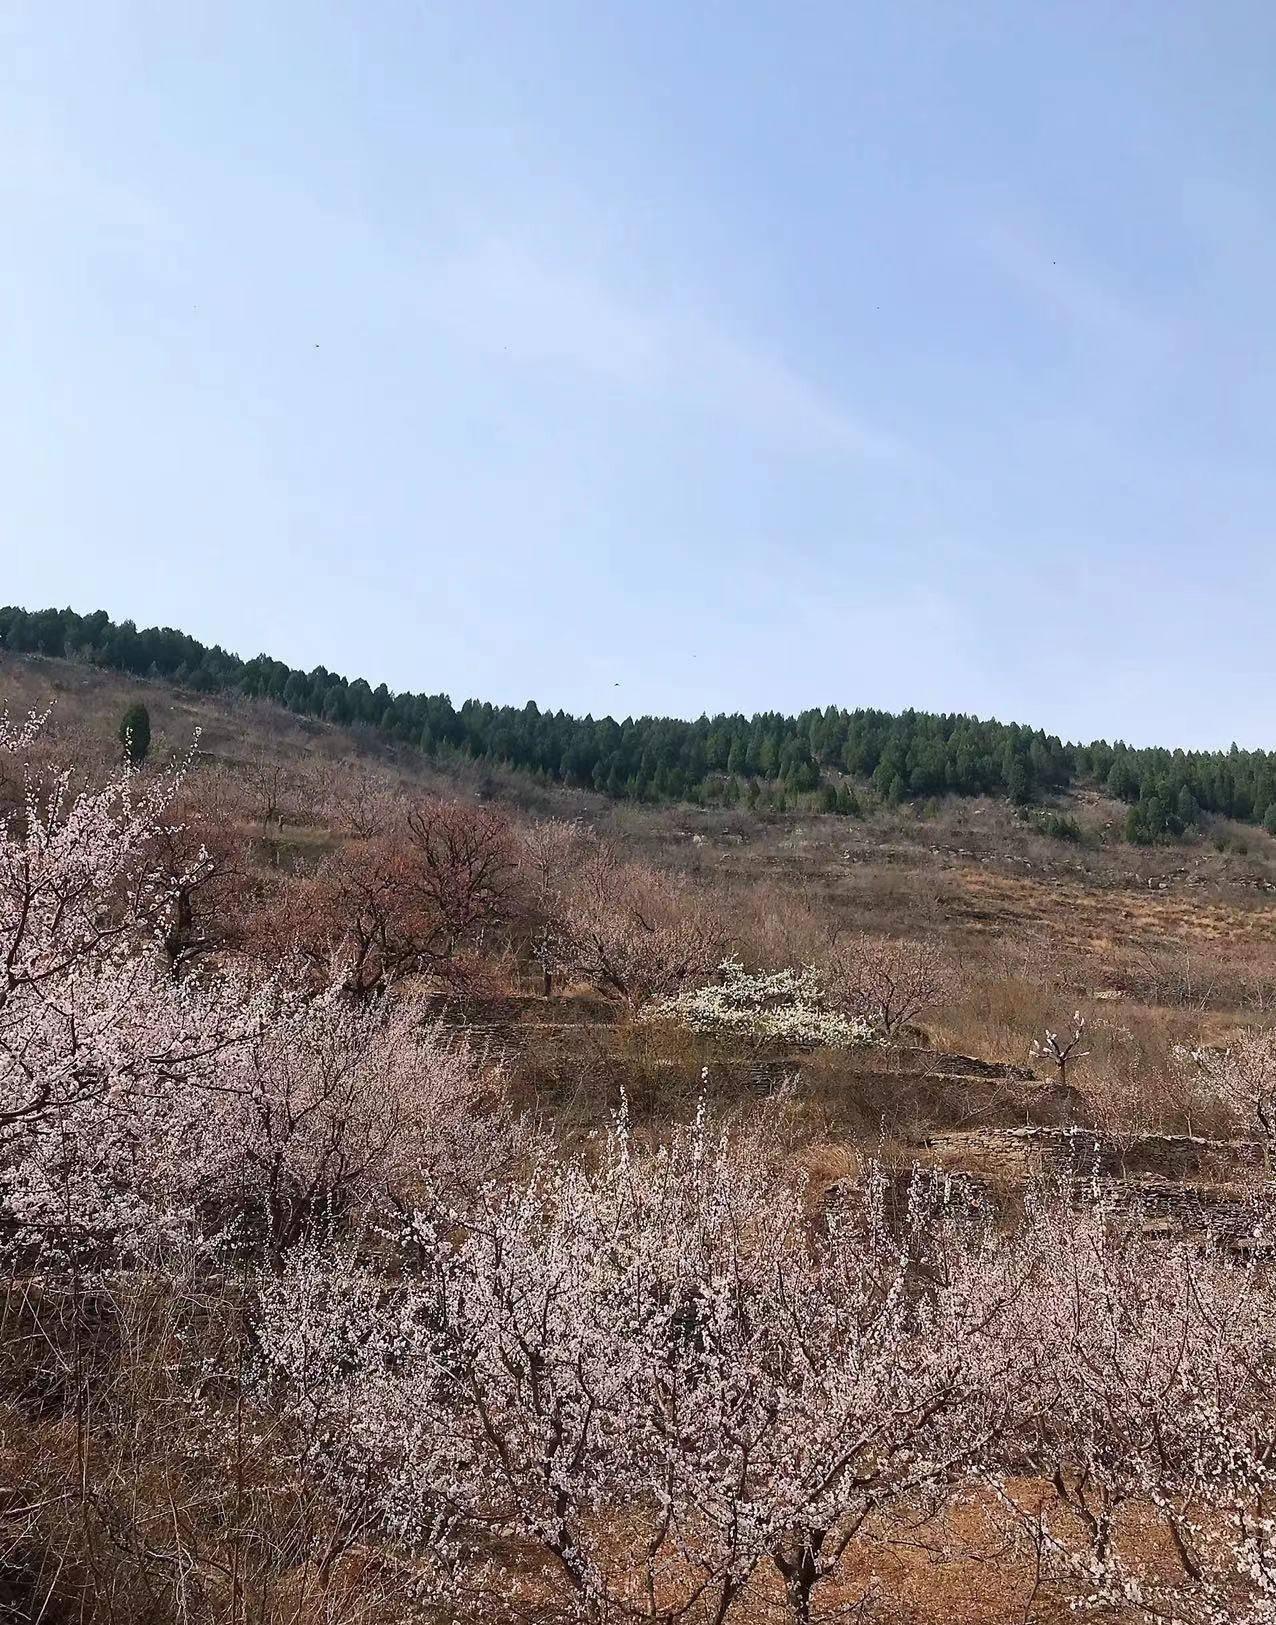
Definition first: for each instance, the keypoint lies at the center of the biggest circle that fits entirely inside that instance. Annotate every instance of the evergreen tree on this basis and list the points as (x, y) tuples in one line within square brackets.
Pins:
[(910, 755), (1018, 774), (135, 733), (296, 695), (1185, 805), (1150, 819), (1137, 829), (1123, 784)]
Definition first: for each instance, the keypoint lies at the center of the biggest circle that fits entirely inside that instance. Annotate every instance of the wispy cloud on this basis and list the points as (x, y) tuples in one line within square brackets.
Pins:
[(504, 300), (497, 296), (501, 299)]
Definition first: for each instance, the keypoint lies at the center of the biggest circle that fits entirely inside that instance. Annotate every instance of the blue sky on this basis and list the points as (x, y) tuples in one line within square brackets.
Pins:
[(657, 357)]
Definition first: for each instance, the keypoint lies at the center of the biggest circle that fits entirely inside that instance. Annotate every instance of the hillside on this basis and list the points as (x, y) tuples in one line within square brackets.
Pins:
[(1222, 882), (711, 1060), (764, 760), (462, 979), (1190, 923)]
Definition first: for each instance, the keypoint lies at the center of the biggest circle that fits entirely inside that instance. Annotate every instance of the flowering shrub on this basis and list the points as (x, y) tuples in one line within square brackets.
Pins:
[(1242, 1076), (635, 934), (1149, 1370), (331, 1110), (659, 1331), (414, 899), (138, 1109), (888, 981), (102, 1053), (786, 1006)]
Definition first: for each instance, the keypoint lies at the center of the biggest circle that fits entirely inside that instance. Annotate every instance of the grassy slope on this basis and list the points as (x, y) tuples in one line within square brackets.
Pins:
[(88, 703)]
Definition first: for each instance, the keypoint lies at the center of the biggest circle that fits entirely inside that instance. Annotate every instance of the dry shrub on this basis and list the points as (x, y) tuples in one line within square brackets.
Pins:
[(1131, 1094), (362, 802), (147, 1488), (998, 1016), (772, 924), (890, 982), (633, 933), (421, 900)]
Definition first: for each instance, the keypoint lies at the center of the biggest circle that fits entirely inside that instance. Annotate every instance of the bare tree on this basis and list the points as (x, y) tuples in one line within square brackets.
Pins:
[(889, 981), (268, 784), (459, 867), (550, 851), (633, 933), (423, 899)]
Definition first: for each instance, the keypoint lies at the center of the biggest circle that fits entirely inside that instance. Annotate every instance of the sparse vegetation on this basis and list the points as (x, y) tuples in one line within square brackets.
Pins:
[(1059, 826), (435, 1195)]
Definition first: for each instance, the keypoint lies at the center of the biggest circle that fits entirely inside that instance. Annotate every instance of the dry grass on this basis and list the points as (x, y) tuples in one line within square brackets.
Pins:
[(1157, 948)]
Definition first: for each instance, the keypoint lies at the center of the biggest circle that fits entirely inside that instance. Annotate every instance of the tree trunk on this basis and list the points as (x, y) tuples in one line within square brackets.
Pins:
[(801, 1571), (798, 1588)]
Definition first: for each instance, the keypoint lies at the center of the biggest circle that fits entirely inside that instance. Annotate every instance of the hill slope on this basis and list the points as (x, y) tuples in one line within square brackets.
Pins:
[(724, 758), (973, 870)]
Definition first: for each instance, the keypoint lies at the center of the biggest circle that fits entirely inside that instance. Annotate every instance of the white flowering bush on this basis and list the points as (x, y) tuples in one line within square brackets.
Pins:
[(104, 1057), (1148, 1370), (786, 1006), (653, 1332)]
